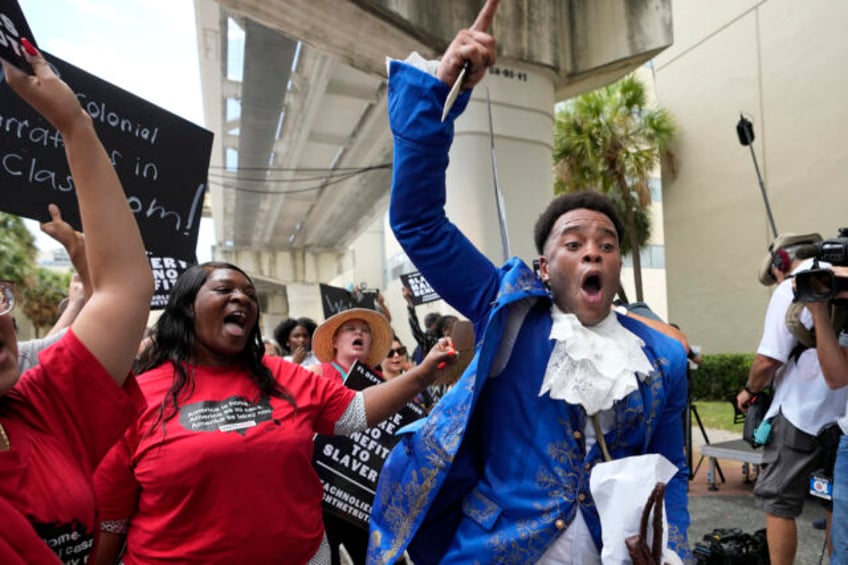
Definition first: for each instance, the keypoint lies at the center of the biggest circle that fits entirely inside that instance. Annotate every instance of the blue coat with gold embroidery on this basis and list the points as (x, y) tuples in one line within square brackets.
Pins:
[(496, 472)]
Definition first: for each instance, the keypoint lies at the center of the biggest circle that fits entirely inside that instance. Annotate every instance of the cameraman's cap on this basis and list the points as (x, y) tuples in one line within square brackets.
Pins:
[(783, 241)]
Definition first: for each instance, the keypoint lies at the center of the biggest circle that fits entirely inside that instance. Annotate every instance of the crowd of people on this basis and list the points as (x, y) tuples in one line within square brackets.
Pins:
[(192, 441)]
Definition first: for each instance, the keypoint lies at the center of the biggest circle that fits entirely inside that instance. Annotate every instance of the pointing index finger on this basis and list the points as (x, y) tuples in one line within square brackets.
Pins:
[(486, 15)]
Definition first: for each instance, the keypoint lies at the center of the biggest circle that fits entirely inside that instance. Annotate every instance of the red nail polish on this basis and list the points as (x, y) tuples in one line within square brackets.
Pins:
[(28, 47)]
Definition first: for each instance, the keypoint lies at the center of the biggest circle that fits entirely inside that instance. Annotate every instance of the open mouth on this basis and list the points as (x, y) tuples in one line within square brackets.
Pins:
[(358, 342), (235, 322), (592, 286)]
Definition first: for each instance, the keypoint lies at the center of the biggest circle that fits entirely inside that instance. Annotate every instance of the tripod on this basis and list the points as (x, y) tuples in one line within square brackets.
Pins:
[(692, 410)]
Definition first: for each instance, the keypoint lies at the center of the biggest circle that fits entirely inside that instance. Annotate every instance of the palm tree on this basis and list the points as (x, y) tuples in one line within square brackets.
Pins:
[(608, 140)]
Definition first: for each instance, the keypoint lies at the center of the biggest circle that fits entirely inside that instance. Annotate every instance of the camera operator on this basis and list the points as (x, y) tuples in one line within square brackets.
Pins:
[(803, 404), (833, 357)]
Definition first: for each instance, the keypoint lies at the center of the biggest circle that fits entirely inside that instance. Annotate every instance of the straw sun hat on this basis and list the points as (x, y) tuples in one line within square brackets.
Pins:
[(381, 334)]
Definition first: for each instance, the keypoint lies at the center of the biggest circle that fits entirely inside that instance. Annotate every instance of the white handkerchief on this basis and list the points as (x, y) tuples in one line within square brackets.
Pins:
[(620, 489)]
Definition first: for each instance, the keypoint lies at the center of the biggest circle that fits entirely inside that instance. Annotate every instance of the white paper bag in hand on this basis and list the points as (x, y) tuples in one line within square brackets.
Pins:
[(620, 489)]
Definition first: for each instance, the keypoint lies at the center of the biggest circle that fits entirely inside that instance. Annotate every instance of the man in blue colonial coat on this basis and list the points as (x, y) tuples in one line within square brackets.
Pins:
[(499, 471)]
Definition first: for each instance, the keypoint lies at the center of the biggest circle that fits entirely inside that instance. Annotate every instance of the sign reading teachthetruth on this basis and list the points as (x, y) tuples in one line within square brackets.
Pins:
[(349, 465), (161, 159), (13, 26), (422, 292)]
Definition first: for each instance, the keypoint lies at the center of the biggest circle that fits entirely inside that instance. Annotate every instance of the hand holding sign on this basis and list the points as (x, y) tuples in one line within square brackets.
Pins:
[(472, 49), (121, 280), (48, 95), (13, 30)]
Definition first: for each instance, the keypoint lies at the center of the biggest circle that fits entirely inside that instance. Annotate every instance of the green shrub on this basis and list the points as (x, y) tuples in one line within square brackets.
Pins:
[(720, 376)]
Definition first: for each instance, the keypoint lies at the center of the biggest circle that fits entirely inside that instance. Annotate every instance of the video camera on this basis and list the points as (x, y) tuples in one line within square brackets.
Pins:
[(821, 285)]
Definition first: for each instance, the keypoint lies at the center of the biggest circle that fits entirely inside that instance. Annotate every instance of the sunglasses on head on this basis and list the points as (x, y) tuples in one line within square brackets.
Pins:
[(399, 351)]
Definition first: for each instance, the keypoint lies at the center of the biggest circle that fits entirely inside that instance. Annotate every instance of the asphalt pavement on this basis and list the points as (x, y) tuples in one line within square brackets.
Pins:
[(732, 505)]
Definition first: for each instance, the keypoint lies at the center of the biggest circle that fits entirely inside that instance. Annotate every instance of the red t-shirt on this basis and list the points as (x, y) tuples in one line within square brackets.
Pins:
[(231, 479), (19, 544), (62, 417)]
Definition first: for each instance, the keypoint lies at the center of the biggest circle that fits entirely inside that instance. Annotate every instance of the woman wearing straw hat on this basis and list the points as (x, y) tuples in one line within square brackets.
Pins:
[(218, 468), (358, 334), (353, 335)]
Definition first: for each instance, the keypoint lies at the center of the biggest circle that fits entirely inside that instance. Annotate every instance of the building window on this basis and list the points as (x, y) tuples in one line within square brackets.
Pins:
[(652, 256), (655, 185)]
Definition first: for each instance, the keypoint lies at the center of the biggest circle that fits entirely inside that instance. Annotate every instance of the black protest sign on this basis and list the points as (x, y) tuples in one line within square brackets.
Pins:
[(335, 300), (422, 292), (13, 26), (166, 271), (349, 465), (161, 159)]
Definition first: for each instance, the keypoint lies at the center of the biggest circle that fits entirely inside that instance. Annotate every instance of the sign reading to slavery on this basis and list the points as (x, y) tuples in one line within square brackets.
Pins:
[(422, 292), (161, 159), (349, 465)]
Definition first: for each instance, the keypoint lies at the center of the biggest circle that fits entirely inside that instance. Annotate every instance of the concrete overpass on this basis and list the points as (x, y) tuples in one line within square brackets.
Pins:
[(295, 93)]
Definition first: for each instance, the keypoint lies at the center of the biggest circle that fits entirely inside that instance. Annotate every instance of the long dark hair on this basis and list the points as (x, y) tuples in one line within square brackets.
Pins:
[(175, 341)]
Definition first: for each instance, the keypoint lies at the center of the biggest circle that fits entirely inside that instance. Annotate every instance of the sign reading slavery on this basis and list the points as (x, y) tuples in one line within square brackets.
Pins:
[(161, 159), (349, 465), (422, 292), (335, 299), (13, 27)]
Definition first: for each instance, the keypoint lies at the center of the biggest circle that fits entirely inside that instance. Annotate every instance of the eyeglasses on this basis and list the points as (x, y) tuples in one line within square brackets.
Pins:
[(7, 297), (399, 351)]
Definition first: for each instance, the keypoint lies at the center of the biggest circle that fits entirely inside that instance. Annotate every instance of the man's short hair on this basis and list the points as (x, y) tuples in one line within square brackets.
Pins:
[(574, 201), (431, 319)]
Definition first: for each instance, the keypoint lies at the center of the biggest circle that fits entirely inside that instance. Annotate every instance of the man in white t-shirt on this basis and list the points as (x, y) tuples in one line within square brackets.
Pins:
[(833, 357), (802, 407)]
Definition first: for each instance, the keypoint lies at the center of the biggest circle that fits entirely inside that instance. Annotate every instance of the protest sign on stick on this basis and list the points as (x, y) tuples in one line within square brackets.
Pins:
[(335, 299), (422, 292)]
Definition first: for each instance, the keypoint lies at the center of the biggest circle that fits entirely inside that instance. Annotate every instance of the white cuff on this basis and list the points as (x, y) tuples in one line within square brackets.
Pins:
[(429, 66)]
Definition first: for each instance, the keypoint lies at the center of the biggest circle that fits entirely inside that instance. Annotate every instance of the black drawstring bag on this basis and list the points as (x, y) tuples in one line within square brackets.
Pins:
[(754, 417)]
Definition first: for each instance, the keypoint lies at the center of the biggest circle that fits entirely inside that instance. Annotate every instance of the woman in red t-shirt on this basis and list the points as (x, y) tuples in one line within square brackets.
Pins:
[(218, 468), (58, 419)]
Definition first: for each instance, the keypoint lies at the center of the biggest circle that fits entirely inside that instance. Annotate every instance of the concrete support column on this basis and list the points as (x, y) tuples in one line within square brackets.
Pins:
[(522, 100)]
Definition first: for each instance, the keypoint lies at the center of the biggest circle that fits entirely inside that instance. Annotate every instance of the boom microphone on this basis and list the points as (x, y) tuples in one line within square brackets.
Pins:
[(807, 250)]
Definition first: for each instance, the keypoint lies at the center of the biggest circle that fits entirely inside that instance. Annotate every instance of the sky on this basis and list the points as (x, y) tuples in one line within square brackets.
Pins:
[(148, 47)]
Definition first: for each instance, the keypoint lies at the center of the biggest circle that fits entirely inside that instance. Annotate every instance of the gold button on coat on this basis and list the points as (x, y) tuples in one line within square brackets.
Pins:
[(560, 524)]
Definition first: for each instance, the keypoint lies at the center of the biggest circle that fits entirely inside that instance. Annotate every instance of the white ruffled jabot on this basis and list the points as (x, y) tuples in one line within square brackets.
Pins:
[(594, 366)]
